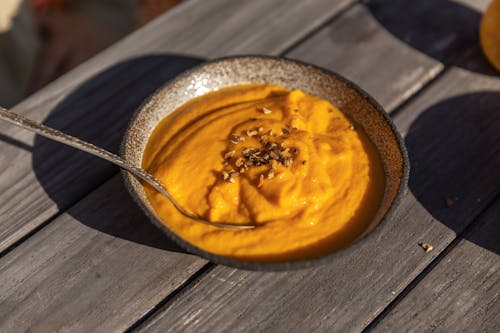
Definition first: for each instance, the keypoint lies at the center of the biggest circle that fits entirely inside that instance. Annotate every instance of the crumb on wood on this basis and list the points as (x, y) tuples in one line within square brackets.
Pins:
[(449, 202), (427, 247)]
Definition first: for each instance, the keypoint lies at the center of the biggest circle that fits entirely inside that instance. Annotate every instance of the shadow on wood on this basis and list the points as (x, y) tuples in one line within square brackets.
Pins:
[(99, 111), (16, 143), (454, 150), (441, 29)]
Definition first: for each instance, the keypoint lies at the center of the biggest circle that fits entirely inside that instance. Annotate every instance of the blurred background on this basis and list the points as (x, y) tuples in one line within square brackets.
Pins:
[(42, 39)]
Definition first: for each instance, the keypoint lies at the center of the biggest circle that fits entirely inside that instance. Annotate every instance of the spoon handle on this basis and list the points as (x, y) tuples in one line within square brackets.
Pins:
[(85, 146), (77, 143)]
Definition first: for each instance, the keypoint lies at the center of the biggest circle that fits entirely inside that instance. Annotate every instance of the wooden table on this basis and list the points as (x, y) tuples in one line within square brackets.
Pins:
[(77, 255)]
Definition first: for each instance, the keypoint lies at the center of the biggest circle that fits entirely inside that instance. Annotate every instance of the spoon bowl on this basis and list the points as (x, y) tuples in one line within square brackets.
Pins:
[(237, 70)]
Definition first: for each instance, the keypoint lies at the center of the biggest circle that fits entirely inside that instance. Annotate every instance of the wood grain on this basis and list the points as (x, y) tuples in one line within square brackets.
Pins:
[(95, 100), (460, 294), (97, 268), (450, 130), (59, 261), (86, 271), (360, 48), (393, 50)]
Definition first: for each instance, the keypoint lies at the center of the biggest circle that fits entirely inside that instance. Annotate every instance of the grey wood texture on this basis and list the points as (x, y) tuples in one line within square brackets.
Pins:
[(450, 130), (77, 109), (360, 48), (101, 96), (97, 268), (95, 100), (393, 49), (461, 293), (61, 263)]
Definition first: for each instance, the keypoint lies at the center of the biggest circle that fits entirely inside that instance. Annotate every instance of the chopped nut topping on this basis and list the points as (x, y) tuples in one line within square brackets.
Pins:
[(236, 138), (426, 247), (229, 176), (229, 154), (266, 111), (252, 133), (274, 155), (270, 154), (352, 128), (287, 161), (261, 181), (239, 162)]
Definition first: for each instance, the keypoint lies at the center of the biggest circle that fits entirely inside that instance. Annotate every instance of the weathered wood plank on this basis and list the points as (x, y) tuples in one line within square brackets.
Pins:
[(95, 100), (58, 265), (358, 47), (39, 180), (392, 50), (97, 268), (476, 5), (450, 130), (440, 29), (266, 311), (460, 294)]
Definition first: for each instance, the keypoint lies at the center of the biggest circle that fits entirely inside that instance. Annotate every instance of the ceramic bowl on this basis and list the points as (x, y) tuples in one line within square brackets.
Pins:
[(230, 71)]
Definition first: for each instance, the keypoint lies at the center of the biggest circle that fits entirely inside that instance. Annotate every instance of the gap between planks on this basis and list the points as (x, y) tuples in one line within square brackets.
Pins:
[(470, 229), (153, 311), (165, 303), (474, 216), (293, 34)]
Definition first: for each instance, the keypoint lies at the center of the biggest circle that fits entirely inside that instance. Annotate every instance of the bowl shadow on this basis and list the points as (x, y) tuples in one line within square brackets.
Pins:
[(442, 29), (98, 111), (454, 151)]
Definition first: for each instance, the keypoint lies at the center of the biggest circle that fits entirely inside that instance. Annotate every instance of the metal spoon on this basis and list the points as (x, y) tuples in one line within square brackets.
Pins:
[(140, 173)]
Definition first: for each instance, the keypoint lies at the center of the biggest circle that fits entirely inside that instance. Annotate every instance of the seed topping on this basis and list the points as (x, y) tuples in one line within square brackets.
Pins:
[(235, 139), (269, 153), (229, 154)]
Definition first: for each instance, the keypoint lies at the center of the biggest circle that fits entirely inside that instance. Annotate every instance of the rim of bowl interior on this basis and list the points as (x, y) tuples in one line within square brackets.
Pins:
[(282, 265)]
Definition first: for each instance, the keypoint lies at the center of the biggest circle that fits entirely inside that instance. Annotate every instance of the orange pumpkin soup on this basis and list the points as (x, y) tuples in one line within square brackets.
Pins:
[(289, 162)]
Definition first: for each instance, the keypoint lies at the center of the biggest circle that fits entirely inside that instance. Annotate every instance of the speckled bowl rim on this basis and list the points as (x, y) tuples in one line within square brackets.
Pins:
[(285, 265)]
